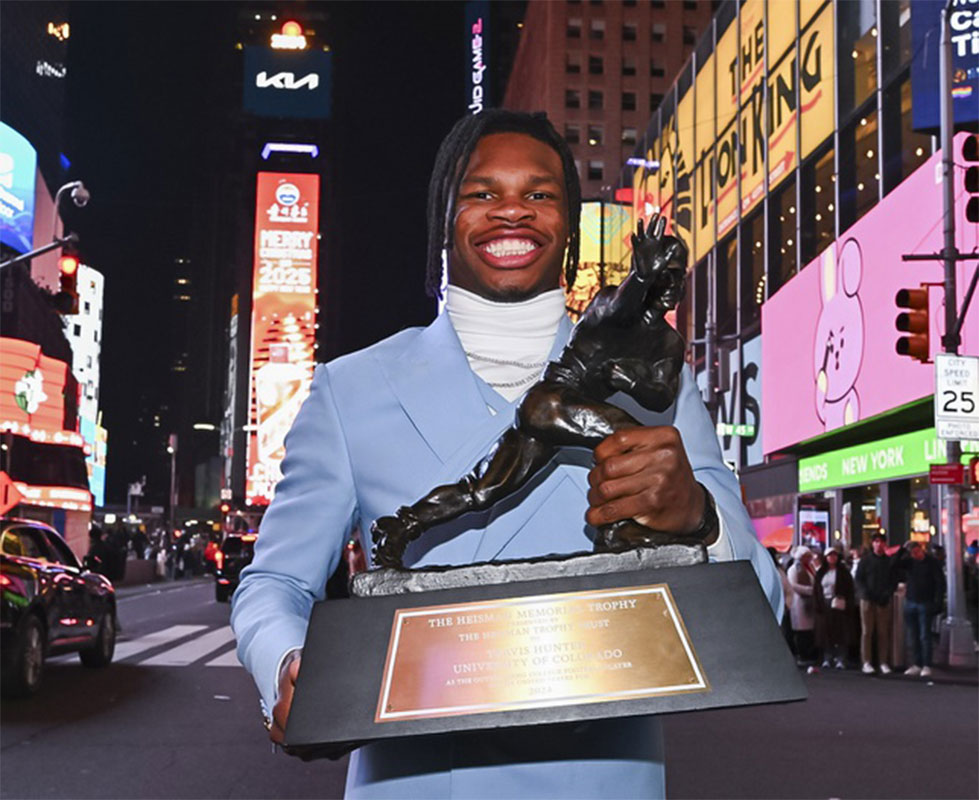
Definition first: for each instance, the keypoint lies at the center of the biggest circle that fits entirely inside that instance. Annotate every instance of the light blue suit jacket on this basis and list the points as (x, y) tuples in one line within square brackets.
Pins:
[(380, 429)]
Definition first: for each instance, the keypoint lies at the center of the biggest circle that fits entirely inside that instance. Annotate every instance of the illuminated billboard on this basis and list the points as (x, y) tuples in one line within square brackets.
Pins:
[(283, 329), (18, 167), (832, 363), (926, 24), (287, 83), (750, 104), (32, 394)]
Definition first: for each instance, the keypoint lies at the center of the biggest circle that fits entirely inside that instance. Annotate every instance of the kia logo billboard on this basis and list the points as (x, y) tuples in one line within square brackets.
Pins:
[(287, 83)]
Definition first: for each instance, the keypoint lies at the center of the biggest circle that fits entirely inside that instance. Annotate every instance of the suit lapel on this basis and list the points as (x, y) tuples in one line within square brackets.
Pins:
[(437, 389)]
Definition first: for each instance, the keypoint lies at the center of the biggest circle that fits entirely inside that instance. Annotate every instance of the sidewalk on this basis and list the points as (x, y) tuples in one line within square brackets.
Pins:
[(941, 674)]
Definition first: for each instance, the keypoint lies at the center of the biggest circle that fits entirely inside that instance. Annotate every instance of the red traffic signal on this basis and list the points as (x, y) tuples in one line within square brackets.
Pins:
[(67, 297), (913, 321), (225, 508)]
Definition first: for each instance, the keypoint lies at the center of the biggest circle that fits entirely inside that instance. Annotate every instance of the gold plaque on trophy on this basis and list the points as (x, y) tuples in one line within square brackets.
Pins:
[(537, 652)]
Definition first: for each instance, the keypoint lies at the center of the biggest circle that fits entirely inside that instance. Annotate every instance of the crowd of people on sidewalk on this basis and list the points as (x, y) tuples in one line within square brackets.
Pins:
[(178, 555), (840, 609)]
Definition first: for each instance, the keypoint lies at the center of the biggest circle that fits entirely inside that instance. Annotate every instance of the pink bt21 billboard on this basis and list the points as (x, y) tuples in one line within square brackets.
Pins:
[(828, 335)]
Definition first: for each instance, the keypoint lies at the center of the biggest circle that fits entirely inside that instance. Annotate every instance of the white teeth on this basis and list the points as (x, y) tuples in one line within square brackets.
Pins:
[(510, 247)]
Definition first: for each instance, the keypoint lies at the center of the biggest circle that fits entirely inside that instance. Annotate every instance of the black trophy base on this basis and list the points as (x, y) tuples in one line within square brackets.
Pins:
[(729, 627)]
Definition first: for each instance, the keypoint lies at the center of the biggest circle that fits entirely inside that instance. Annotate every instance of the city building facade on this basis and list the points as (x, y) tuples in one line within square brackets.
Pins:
[(785, 154), (598, 69)]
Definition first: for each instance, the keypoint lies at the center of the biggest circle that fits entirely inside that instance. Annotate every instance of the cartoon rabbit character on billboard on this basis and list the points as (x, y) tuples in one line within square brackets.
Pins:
[(838, 347)]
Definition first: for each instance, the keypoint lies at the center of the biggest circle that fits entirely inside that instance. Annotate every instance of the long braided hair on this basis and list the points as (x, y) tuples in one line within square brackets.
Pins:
[(450, 163)]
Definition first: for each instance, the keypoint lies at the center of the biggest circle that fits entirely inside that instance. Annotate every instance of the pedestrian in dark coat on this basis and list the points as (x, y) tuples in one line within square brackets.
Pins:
[(876, 580), (925, 589), (835, 606)]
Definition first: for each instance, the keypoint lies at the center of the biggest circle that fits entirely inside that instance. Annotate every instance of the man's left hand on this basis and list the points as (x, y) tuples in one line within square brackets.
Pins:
[(643, 473)]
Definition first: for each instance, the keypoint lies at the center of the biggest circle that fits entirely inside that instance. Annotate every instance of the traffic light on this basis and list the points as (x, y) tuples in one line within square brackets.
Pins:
[(970, 154), (67, 297), (225, 508), (913, 321)]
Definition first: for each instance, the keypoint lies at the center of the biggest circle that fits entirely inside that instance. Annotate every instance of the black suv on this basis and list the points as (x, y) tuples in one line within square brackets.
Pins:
[(236, 553), (50, 605)]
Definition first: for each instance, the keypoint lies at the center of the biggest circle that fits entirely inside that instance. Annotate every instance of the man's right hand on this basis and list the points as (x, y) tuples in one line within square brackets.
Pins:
[(280, 714)]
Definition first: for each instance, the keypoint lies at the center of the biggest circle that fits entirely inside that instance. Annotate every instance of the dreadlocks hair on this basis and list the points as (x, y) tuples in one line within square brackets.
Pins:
[(450, 164)]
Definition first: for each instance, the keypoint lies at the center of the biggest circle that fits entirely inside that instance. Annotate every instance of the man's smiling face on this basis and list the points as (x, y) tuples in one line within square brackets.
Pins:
[(511, 219)]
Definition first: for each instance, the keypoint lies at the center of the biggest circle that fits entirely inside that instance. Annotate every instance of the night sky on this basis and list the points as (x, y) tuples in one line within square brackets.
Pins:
[(150, 93)]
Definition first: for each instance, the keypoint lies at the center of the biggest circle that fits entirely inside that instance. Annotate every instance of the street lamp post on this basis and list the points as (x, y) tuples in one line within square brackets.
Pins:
[(172, 450)]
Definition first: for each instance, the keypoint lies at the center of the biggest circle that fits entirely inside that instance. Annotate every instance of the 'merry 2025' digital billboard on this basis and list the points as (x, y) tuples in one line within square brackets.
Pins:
[(283, 321)]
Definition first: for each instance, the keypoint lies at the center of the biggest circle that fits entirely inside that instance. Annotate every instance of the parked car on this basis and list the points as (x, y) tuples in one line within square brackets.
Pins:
[(236, 553), (50, 605)]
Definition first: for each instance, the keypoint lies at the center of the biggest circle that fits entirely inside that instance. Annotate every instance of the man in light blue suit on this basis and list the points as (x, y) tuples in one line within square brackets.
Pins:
[(383, 426)]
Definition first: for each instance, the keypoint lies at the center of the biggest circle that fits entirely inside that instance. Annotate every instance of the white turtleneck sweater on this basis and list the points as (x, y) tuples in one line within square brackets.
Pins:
[(507, 344)]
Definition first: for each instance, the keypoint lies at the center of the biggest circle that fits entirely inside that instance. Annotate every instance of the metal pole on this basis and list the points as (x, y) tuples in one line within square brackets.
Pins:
[(958, 631), (173, 482)]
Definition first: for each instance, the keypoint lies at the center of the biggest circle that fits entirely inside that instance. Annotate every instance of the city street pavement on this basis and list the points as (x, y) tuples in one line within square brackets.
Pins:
[(177, 717)]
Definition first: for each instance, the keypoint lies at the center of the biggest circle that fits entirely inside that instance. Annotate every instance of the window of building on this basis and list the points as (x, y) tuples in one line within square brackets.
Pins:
[(596, 170), (572, 134), (856, 53), (655, 98), (572, 63), (88, 306), (628, 101), (77, 329), (574, 28), (658, 32), (572, 98), (689, 5), (816, 208), (895, 39), (782, 217), (89, 360), (628, 65), (752, 270), (595, 2), (859, 167), (629, 3), (596, 65), (597, 29), (595, 135), (904, 149), (726, 283), (629, 136), (700, 303), (629, 32), (658, 3), (596, 99), (656, 70), (689, 35)]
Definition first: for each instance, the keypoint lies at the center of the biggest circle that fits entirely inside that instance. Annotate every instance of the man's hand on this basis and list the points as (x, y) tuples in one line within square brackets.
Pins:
[(643, 473), (280, 714)]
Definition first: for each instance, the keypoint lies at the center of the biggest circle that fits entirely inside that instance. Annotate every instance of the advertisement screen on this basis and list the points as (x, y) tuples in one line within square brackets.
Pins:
[(32, 394), (829, 333), (926, 25), (287, 83), (18, 166), (477, 47), (283, 321)]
